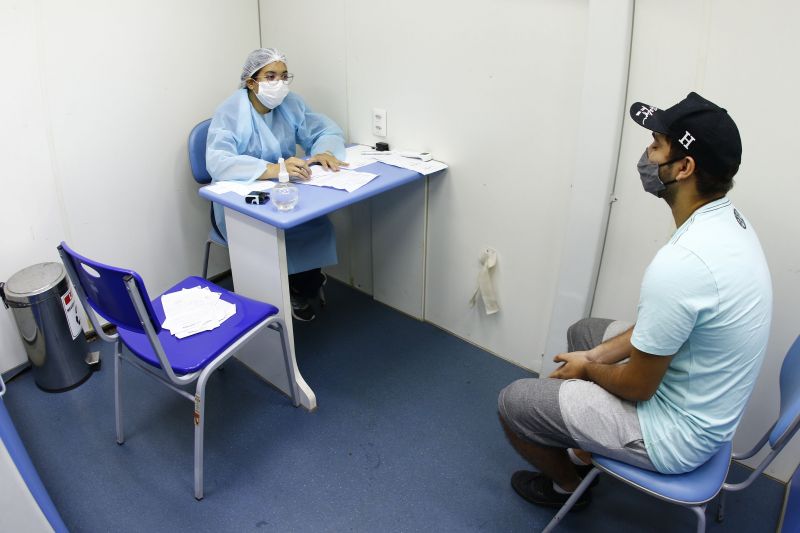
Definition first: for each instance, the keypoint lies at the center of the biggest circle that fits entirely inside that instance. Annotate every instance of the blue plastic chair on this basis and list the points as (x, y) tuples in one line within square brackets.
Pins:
[(781, 431), (696, 488), (197, 161), (119, 296)]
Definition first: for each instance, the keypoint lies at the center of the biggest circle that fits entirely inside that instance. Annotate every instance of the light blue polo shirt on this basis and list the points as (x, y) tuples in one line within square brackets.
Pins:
[(707, 298)]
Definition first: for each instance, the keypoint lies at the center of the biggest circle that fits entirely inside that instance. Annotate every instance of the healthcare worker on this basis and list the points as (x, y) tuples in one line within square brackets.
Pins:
[(259, 123)]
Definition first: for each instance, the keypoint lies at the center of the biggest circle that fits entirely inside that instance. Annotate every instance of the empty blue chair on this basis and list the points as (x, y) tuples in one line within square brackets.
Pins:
[(696, 488), (197, 162), (119, 296)]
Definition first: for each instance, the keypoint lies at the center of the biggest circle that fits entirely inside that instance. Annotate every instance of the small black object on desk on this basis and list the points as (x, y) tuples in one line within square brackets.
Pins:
[(257, 197)]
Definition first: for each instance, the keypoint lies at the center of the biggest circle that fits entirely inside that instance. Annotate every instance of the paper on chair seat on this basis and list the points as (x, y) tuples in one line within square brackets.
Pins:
[(191, 311)]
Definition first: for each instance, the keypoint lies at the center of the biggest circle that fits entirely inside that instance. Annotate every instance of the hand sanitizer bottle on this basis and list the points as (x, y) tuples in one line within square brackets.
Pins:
[(284, 194)]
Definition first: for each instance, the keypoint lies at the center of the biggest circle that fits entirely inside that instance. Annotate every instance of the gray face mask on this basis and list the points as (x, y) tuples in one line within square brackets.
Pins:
[(648, 173)]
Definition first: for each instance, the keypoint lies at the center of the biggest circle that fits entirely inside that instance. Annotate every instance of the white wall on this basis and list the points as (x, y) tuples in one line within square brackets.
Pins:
[(736, 54), (98, 100), (473, 83)]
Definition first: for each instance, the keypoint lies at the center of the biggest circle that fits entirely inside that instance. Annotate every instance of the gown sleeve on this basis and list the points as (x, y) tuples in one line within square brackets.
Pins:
[(225, 159), (316, 133)]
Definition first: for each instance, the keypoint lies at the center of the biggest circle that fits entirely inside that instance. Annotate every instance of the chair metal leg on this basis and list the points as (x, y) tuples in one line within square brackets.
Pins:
[(700, 511), (199, 423), (205, 259), (118, 393), (572, 499), (721, 506)]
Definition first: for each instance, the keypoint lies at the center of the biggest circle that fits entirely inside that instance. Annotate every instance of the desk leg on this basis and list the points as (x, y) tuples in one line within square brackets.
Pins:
[(258, 262)]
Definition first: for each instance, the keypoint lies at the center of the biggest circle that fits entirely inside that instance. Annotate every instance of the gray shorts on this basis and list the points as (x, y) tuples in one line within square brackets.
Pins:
[(576, 413)]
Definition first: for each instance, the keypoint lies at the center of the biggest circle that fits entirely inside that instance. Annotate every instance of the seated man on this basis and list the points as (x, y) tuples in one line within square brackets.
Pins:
[(701, 331)]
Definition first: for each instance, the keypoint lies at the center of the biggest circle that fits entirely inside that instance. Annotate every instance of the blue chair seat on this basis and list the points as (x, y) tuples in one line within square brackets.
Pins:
[(692, 488), (194, 352)]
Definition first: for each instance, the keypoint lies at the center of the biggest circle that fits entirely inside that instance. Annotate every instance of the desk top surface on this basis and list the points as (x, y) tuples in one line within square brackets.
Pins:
[(316, 201)]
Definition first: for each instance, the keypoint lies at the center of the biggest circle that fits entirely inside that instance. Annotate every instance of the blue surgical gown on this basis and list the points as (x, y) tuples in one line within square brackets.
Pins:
[(241, 141)]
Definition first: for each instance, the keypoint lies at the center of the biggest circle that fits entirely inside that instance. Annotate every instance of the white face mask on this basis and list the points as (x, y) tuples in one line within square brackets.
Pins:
[(272, 94)]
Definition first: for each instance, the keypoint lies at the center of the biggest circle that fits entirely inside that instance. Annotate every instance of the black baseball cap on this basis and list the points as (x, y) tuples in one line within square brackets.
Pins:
[(701, 127)]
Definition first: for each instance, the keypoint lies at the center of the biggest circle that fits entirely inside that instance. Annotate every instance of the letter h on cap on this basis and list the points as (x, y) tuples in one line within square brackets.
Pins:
[(686, 140)]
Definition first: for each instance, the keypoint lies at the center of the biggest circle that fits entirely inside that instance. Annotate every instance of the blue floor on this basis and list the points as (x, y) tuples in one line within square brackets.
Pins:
[(406, 438)]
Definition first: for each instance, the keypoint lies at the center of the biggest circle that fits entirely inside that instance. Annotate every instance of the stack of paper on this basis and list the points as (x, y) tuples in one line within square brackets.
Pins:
[(423, 167), (349, 180), (194, 310), (360, 155), (356, 158)]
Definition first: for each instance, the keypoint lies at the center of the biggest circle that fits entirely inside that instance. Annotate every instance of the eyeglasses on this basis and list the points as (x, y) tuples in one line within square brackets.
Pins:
[(273, 79)]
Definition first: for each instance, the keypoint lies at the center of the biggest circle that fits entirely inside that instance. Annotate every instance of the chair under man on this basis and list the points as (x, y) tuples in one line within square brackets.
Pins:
[(197, 162), (119, 296), (696, 488)]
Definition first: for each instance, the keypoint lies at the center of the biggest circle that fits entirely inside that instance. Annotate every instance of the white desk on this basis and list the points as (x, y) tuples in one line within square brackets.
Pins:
[(258, 261)]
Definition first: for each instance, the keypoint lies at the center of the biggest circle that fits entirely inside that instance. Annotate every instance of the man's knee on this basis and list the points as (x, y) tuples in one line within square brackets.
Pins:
[(586, 333), (526, 398), (574, 332), (515, 396), (529, 408)]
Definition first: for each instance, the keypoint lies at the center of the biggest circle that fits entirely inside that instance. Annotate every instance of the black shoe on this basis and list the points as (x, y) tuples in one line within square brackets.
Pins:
[(537, 488), (301, 310)]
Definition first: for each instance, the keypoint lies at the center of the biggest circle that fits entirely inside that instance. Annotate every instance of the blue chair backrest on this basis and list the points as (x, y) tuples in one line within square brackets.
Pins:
[(790, 396), (197, 152), (104, 287)]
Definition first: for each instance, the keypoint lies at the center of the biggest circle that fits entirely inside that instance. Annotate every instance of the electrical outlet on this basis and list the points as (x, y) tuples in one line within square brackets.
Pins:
[(379, 122)]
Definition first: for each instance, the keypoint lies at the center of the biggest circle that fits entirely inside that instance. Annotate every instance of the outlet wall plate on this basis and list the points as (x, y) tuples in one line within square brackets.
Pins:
[(379, 122)]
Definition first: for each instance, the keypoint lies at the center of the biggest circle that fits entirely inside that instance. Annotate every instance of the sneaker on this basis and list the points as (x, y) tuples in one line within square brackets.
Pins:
[(537, 488), (301, 310)]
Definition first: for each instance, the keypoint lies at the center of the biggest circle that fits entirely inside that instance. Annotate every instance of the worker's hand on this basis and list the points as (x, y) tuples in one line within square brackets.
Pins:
[(328, 161), (297, 168), (574, 366)]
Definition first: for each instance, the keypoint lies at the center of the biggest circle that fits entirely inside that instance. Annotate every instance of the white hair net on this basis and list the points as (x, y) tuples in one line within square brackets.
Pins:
[(257, 59)]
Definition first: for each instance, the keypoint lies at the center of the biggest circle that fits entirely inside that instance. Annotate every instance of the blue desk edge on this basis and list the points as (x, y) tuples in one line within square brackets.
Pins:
[(317, 201)]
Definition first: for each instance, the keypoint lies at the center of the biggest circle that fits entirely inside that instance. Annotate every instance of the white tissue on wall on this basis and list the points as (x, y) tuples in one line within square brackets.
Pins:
[(485, 285)]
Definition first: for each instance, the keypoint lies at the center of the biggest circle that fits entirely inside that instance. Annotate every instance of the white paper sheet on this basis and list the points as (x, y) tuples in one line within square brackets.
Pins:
[(191, 311), (423, 167), (348, 180), (356, 158), (240, 188)]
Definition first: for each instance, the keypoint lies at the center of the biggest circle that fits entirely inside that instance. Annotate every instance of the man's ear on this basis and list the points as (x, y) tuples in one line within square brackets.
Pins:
[(686, 167)]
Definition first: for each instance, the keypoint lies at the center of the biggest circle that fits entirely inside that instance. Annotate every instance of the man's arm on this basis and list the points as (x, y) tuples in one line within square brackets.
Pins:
[(636, 381), (613, 350)]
